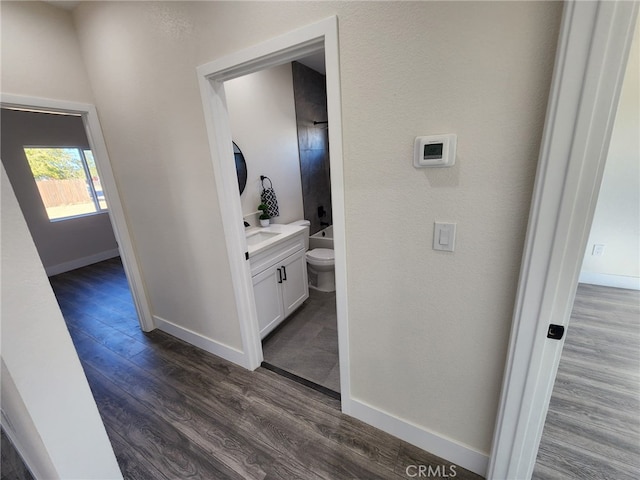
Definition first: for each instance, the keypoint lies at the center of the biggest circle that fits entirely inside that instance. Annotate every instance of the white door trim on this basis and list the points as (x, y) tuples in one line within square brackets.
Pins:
[(592, 55), (116, 212), (317, 37)]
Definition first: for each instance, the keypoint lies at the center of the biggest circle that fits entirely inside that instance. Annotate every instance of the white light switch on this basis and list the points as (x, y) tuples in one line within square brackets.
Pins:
[(444, 236)]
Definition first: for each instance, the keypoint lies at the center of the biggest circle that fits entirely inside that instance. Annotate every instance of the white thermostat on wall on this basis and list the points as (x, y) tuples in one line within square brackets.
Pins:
[(435, 151)]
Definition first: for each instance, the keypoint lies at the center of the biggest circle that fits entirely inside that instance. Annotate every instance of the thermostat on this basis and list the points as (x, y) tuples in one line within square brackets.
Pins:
[(435, 151)]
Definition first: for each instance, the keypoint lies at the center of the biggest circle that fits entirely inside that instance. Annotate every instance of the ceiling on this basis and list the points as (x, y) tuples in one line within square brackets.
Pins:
[(314, 61)]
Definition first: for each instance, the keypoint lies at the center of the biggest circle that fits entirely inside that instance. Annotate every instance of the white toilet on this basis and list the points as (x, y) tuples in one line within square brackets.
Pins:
[(320, 264)]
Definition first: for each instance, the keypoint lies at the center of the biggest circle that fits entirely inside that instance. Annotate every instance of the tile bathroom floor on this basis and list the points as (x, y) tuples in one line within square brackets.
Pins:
[(306, 344)]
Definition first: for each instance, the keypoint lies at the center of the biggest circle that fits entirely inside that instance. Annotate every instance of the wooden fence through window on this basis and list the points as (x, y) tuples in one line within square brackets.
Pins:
[(56, 193)]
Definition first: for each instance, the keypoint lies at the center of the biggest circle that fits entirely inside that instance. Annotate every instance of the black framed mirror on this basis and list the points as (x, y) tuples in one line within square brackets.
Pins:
[(241, 167)]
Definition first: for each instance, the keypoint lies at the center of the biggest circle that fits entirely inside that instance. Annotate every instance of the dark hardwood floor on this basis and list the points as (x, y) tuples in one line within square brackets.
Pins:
[(11, 466), (173, 411), (593, 425)]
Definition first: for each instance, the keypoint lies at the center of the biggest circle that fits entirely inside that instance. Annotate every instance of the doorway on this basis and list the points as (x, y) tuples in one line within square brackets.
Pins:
[(278, 118), (592, 55), (313, 39), (53, 172), (592, 428), (88, 135)]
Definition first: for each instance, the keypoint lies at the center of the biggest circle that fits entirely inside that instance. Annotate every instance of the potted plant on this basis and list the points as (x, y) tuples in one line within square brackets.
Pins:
[(264, 216)]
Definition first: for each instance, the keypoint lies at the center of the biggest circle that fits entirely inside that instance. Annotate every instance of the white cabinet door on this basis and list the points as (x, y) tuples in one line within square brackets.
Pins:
[(280, 288), (295, 287), (266, 290)]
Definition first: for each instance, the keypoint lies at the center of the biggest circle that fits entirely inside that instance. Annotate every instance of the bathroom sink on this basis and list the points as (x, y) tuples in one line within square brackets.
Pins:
[(259, 237)]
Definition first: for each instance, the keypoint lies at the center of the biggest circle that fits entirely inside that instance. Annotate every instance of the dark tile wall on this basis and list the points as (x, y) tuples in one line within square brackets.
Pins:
[(310, 95)]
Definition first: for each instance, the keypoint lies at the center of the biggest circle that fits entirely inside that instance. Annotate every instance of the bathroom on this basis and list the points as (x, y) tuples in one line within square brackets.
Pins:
[(278, 120)]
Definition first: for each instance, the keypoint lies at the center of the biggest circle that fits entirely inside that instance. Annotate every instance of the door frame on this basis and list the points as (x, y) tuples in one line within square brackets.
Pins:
[(116, 213), (591, 59), (317, 37)]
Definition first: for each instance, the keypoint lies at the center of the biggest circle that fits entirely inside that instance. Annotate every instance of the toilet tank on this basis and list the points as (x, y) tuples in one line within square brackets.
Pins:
[(307, 225)]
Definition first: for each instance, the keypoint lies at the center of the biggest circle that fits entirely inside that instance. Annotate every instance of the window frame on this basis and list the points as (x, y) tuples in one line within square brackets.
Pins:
[(87, 177)]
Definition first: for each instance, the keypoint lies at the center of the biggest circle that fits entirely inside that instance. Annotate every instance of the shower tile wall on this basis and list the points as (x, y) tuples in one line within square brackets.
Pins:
[(310, 95)]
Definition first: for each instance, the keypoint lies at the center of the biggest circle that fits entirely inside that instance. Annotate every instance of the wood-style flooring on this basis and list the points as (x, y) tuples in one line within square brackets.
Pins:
[(592, 429), (12, 467), (306, 344), (173, 411)]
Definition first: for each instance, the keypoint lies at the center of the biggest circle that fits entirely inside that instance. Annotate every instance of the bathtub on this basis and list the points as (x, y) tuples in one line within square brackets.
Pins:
[(322, 239)]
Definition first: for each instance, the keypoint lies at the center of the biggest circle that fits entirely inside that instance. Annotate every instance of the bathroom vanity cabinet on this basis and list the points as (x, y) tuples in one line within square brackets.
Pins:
[(280, 282)]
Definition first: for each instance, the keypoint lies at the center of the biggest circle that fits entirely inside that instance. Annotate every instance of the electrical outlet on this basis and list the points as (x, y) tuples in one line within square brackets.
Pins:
[(598, 250)]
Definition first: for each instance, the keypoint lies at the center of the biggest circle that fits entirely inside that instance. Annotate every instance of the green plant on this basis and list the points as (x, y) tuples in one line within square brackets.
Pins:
[(264, 209)]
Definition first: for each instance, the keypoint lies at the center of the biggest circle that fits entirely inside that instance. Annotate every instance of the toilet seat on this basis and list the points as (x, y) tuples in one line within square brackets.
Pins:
[(321, 256)]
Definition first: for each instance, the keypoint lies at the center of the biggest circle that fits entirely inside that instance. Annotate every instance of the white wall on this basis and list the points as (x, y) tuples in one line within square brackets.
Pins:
[(263, 123), (46, 381), (428, 330), (616, 223), (40, 53), (50, 410), (141, 60)]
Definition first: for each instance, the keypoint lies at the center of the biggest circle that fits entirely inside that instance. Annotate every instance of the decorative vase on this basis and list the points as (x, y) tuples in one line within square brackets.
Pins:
[(264, 222)]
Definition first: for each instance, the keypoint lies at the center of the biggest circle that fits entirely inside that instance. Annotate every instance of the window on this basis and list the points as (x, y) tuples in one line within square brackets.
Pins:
[(68, 181)]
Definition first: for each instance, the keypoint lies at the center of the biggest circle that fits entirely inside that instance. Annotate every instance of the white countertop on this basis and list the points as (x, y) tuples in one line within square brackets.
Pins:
[(261, 238)]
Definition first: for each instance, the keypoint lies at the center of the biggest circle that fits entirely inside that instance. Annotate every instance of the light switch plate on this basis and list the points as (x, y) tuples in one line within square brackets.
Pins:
[(444, 236)]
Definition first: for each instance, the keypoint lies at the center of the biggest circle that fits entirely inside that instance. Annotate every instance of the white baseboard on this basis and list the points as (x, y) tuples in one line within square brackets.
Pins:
[(605, 280), (81, 262), (447, 449), (200, 341), (437, 445)]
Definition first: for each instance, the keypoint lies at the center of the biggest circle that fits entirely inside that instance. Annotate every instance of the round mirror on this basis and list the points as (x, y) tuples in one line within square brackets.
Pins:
[(241, 167)]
